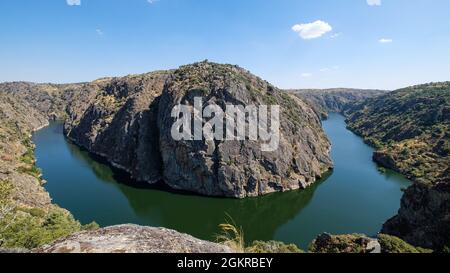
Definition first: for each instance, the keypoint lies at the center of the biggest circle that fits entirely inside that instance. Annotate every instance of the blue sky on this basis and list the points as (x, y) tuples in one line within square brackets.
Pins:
[(291, 43)]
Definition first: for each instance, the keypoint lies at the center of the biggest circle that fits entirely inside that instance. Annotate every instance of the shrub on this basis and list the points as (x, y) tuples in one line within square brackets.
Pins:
[(392, 244), (348, 243), (35, 227), (91, 226), (5, 190)]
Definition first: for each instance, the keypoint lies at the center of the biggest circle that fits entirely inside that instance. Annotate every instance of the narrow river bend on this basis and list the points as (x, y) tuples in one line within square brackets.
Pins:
[(354, 198)]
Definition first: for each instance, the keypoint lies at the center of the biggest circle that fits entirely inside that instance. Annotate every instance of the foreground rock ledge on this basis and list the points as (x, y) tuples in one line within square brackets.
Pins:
[(132, 239)]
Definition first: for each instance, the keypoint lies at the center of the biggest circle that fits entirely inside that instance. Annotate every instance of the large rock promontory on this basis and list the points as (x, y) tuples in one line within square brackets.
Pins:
[(128, 121)]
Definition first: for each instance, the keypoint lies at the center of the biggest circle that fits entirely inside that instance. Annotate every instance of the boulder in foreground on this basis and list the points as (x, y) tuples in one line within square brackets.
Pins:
[(132, 239)]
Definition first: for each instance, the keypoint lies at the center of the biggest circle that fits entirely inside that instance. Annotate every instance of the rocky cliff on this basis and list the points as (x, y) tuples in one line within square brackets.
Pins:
[(337, 100), (128, 121), (410, 128), (49, 100), (28, 219), (17, 120), (118, 121), (24, 108), (27, 216), (132, 239)]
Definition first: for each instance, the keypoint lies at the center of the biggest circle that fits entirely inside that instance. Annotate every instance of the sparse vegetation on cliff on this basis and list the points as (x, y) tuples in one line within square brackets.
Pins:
[(22, 227), (136, 134), (28, 219), (392, 244), (410, 129)]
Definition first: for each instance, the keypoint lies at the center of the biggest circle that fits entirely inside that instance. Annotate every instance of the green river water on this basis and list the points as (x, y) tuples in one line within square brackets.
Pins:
[(355, 197)]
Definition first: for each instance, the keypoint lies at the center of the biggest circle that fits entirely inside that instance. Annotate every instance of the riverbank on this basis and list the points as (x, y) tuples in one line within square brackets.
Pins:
[(292, 217)]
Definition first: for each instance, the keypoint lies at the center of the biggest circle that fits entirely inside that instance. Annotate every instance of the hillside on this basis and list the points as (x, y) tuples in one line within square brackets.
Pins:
[(129, 122), (127, 105), (338, 100), (27, 217), (127, 119), (410, 129)]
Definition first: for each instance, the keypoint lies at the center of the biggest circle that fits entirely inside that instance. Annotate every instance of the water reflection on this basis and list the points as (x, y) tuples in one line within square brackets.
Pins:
[(356, 197), (200, 216)]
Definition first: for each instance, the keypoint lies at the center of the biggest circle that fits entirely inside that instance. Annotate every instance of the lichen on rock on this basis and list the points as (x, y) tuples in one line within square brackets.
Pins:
[(132, 239)]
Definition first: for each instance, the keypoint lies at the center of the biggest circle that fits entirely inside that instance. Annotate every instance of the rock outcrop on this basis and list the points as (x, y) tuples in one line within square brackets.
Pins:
[(410, 129), (424, 216), (349, 243), (132, 239), (129, 123), (118, 121), (336, 100)]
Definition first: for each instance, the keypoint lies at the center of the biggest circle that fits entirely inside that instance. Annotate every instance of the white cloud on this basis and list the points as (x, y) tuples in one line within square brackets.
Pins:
[(152, 1), (306, 75), (312, 30), (385, 41), (335, 35), (328, 69), (99, 32), (73, 2), (374, 2)]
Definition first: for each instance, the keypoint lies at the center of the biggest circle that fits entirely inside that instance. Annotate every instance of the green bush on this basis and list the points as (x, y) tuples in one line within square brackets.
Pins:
[(28, 157), (33, 171), (29, 228), (392, 244), (91, 226), (5, 191), (24, 230), (347, 243), (446, 249)]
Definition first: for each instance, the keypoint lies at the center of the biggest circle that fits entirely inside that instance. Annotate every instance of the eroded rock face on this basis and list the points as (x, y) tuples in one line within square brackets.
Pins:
[(132, 239), (239, 168), (424, 217), (128, 121), (118, 122)]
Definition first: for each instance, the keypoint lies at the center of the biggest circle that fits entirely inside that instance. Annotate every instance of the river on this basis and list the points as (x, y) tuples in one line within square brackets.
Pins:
[(355, 198)]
